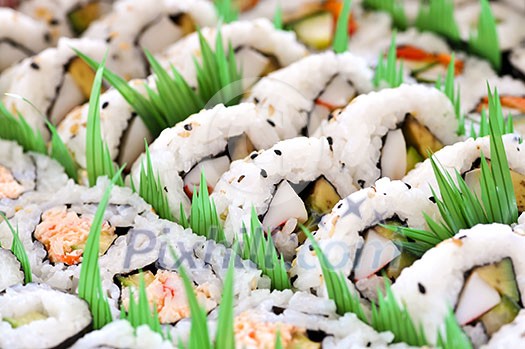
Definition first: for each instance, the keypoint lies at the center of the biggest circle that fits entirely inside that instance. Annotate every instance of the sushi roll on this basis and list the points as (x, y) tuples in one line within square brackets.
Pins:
[(315, 86), (24, 175), (67, 18), (465, 158), (54, 230), (259, 49), (28, 39), (354, 241), (12, 273), (55, 81), (209, 141), (136, 25), (480, 276), (120, 123), (385, 133), (36, 316), (121, 334), (295, 181)]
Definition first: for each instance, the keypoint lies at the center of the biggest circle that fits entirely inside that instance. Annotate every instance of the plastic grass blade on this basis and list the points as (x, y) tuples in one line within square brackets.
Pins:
[(226, 11), (152, 190), (505, 127), (278, 17), (388, 315), (183, 221), (454, 337), (204, 219), (18, 249), (340, 44), (459, 207), (98, 158), (484, 42), (139, 312), (449, 89), (393, 7), (18, 129), (336, 286), (278, 341), (225, 337), (90, 281), (389, 72), (257, 246), (438, 16), (199, 334)]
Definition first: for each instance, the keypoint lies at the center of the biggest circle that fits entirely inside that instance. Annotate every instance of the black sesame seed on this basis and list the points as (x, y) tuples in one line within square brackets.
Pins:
[(330, 116), (339, 206), (278, 152), (432, 199), (166, 189), (368, 344), (408, 186), (54, 21), (271, 122), (254, 155), (34, 66), (462, 237), (421, 288), (361, 183), (47, 37), (264, 174), (255, 100), (241, 178), (311, 248), (277, 310), (105, 105), (187, 127), (108, 39), (330, 140)]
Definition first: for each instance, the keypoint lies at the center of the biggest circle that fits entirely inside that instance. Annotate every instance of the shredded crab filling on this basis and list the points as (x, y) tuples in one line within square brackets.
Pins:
[(9, 187), (166, 292), (64, 235), (252, 333)]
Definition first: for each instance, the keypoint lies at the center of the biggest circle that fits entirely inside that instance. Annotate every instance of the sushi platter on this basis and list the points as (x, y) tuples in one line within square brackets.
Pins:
[(319, 174)]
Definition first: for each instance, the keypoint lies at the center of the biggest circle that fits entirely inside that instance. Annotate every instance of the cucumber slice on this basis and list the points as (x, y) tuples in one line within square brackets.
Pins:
[(316, 31)]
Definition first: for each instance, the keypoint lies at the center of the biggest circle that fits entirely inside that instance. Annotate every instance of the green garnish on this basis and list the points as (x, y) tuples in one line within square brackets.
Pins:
[(152, 190), (459, 206), (98, 158), (257, 246), (140, 313), (390, 71), (388, 315), (506, 127), (174, 99), (336, 286), (204, 219), (18, 249), (393, 7), (438, 16), (18, 129), (90, 281), (199, 333), (278, 18), (340, 44), (226, 11), (449, 89), (484, 42), (454, 337)]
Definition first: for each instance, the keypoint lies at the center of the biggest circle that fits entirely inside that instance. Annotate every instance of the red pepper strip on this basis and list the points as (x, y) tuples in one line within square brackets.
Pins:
[(514, 102), (327, 105), (412, 53)]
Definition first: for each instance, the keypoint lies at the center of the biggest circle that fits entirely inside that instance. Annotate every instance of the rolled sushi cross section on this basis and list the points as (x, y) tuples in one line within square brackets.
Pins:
[(355, 239), (315, 86), (295, 181), (397, 127), (23, 175), (485, 290), (51, 317)]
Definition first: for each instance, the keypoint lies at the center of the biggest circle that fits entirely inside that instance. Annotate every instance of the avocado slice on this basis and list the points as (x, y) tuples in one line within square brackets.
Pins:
[(25, 319), (419, 137), (81, 17), (405, 259), (301, 341), (501, 276), (316, 30), (134, 279), (82, 74), (502, 314), (413, 158), (319, 201)]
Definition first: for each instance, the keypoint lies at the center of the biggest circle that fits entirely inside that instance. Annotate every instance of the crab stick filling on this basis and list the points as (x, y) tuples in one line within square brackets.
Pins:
[(252, 333), (64, 234), (9, 187)]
